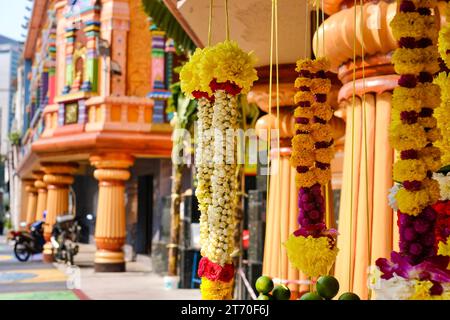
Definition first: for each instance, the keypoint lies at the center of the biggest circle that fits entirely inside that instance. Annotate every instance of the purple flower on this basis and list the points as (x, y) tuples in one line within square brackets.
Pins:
[(424, 11), (423, 43), (409, 154), (302, 120), (407, 81), (407, 42), (436, 289), (409, 117), (407, 6), (320, 97), (412, 185), (415, 249), (421, 226), (426, 112), (425, 76), (409, 234)]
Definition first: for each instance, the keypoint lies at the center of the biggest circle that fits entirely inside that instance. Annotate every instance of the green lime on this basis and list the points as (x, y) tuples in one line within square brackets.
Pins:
[(263, 297), (281, 292), (311, 296), (264, 284), (327, 287), (349, 296)]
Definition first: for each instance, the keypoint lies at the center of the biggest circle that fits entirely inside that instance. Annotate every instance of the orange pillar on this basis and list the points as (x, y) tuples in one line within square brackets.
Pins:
[(58, 177), (31, 202), (41, 188), (110, 229)]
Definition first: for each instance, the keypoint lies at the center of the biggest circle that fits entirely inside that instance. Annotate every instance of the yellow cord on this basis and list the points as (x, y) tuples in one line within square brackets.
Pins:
[(269, 136), (308, 33), (211, 3), (350, 274), (277, 78), (366, 153), (227, 21)]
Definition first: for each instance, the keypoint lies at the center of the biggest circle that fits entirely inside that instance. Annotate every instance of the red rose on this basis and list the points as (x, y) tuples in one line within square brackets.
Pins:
[(202, 266), (227, 273)]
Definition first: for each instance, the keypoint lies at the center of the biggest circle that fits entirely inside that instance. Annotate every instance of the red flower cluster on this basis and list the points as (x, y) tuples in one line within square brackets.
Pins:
[(229, 87), (201, 94), (214, 272), (443, 220)]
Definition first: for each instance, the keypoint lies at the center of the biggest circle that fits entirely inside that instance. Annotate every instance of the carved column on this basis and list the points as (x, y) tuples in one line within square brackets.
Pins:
[(58, 177), (31, 202), (41, 188), (110, 229)]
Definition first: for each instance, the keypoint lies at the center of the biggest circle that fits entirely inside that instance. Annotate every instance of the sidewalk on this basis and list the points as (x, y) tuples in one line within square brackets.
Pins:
[(51, 281), (137, 283)]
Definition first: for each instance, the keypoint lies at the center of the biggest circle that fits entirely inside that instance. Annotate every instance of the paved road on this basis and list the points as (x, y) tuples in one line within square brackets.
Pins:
[(31, 280)]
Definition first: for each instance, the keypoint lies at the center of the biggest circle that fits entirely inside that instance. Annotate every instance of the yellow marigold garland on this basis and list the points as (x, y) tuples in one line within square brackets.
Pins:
[(312, 249), (443, 119)]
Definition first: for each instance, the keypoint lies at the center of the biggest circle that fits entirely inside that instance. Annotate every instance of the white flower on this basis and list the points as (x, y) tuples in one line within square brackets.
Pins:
[(391, 197), (444, 185)]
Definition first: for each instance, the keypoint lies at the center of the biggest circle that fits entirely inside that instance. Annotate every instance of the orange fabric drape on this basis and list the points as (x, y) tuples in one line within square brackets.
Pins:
[(281, 220), (372, 231)]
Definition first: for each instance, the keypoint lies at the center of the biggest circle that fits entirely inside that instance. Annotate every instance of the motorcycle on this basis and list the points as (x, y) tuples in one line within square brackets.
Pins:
[(64, 238), (28, 243)]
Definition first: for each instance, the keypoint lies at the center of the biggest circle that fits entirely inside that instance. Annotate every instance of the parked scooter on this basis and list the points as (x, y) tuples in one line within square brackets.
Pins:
[(29, 243), (65, 237)]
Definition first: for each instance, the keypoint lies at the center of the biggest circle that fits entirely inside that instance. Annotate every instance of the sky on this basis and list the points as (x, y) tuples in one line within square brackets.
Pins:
[(12, 14)]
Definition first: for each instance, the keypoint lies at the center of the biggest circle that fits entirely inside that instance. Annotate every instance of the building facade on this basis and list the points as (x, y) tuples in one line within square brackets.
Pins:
[(96, 138), (9, 59)]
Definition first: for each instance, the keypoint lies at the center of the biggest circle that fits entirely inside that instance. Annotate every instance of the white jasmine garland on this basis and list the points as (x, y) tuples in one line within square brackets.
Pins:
[(204, 166), (223, 182)]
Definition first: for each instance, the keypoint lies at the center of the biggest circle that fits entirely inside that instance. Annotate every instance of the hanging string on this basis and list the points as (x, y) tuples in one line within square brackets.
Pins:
[(350, 262), (269, 134), (366, 173), (277, 79), (323, 30), (211, 3), (307, 13), (227, 21), (316, 3)]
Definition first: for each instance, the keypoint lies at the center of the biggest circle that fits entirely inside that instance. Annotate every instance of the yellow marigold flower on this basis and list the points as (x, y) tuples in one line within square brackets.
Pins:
[(320, 85), (413, 24), (422, 290), (407, 136), (216, 290), (302, 158), (414, 61), (412, 202), (305, 180), (302, 82), (227, 62), (444, 44), (409, 170), (431, 156), (442, 116), (304, 112), (302, 142), (321, 132), (444, 248), (414, 99), (323, 111), (313, 65), (431, 95), (434, 135), (427, 122), (324, 155), (433, 189), (312, 256), (190, 80), (303, 96), (302, 127), (323, 176)]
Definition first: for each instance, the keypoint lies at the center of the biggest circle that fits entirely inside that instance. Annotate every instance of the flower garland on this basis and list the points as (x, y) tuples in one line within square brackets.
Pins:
[(413, 131), (443, 122), (312, 248), (217, 75)]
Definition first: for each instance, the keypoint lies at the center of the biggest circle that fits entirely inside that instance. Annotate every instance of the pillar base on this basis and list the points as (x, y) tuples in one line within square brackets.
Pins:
[(47, 254), (109, 261), (110, 267)]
